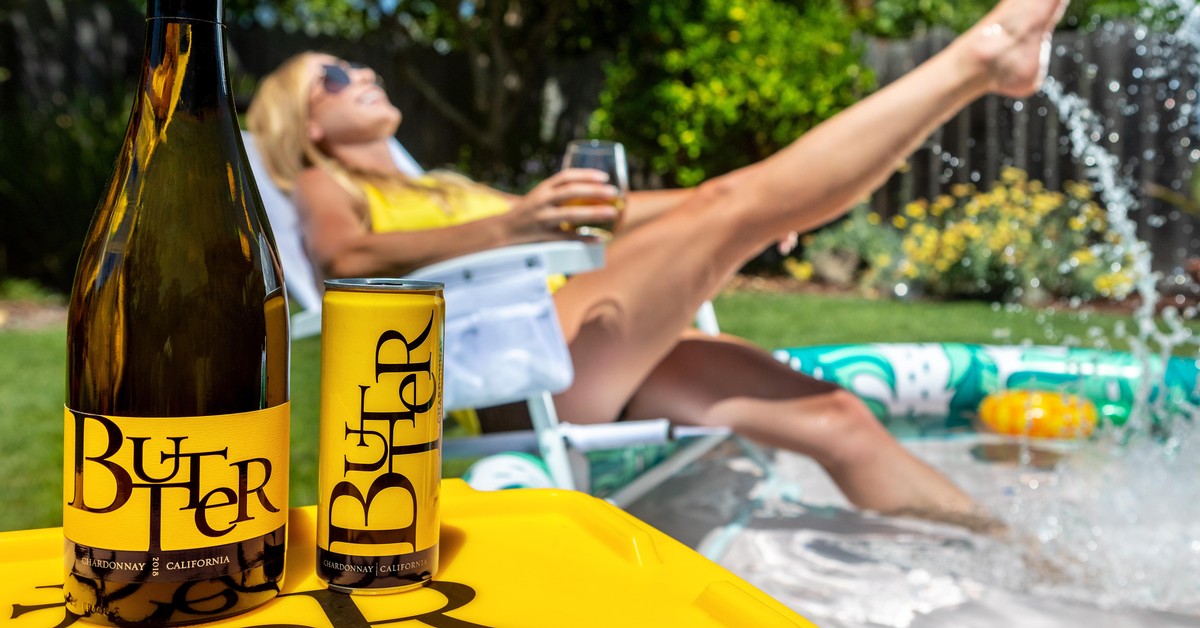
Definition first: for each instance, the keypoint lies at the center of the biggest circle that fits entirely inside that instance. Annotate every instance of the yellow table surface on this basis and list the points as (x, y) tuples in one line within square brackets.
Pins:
[(522, 558)]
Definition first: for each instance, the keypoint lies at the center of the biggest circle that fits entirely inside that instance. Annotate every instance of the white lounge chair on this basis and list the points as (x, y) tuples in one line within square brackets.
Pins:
[(471, 283)]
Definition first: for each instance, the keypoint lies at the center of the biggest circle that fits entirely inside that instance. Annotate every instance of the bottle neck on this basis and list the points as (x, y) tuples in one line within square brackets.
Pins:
[(202, 10), (183, 68)]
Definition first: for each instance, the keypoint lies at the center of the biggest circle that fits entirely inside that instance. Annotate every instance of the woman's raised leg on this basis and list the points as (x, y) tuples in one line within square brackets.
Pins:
[(623, 320)]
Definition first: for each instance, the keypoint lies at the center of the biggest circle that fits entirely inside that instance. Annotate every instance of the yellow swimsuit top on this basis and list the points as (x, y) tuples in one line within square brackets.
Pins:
[(427, 205), (421, 205)]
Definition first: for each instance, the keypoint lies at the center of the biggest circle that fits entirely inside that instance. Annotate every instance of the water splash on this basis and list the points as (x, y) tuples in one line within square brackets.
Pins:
[(1119, 519)]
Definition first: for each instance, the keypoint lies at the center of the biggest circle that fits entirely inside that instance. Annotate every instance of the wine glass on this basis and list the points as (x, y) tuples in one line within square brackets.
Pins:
[(600, 155)]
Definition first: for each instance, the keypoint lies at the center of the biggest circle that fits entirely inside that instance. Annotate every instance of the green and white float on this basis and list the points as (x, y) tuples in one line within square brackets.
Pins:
[(930, 388)]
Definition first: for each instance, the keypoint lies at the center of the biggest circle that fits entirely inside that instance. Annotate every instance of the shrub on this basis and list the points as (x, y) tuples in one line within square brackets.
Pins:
[(1014, 241), (1017, 240), (701, 87), (853, 250)]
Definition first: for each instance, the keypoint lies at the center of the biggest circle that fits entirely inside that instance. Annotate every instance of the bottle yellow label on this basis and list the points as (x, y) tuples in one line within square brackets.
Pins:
[(149, 496)]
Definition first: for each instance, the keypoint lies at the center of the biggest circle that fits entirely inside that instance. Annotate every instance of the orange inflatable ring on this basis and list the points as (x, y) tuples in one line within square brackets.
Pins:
[(1038, 414)]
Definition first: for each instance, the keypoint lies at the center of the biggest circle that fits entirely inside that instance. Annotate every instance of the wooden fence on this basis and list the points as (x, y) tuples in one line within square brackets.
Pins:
[(1144, 99), (1138, 83)]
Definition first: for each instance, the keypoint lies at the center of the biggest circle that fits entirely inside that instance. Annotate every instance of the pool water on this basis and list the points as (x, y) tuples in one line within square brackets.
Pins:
[(1089, 545)]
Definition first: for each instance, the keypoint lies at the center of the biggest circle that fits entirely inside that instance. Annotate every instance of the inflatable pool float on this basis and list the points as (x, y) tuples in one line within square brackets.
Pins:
[(933, 388), (1037, 414)]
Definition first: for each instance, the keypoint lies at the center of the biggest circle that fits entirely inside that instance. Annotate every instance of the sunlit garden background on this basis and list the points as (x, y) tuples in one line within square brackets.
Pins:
[(990, 234)]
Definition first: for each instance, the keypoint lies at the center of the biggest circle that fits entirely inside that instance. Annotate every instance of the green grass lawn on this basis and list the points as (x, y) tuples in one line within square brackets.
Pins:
[(33, 363)]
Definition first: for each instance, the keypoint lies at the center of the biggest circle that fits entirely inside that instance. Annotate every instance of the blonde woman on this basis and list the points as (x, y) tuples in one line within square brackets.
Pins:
[(323, 126)]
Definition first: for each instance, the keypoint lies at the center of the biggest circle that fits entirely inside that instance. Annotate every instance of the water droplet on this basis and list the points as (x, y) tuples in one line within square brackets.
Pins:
[(1114, 86)]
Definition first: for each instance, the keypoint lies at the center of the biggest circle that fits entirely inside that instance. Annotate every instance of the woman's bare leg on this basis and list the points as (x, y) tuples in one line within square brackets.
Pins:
[(623, 320), (718, 382)]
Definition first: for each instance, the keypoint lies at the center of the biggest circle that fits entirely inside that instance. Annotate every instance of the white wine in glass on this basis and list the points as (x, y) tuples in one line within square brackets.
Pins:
[(610, 158)]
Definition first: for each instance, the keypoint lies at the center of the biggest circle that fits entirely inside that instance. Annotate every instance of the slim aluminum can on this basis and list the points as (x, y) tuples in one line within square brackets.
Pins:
[(380, 462)]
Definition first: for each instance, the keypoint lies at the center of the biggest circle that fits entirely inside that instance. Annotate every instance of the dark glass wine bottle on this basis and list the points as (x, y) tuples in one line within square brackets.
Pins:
[(176, 425)]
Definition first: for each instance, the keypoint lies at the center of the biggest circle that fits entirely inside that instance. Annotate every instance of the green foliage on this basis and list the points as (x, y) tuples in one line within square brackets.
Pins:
[(1018, 240), (50, 186), (63, 113), (28, 290), (898, 19), (701, 87), (903, 18)]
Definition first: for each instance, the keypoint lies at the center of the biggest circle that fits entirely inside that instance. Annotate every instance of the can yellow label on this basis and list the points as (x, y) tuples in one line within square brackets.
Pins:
[(172, 499), (380, 434)]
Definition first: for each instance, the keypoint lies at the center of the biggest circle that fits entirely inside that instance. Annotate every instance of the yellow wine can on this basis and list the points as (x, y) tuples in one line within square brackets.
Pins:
[(380, 463)]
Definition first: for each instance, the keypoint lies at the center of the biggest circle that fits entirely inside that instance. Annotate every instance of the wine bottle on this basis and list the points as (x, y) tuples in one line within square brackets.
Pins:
[(176, 423)]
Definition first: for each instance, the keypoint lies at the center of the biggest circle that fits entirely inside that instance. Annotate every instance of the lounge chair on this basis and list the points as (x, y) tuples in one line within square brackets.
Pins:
[(476, 283)]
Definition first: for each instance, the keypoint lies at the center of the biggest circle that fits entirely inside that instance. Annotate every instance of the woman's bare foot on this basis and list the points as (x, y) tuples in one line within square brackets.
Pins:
[(976, 519), (1012, 44)]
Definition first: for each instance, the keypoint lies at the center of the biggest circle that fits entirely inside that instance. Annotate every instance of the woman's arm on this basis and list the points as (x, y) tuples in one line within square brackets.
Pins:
[(646, 205), (340, 242)]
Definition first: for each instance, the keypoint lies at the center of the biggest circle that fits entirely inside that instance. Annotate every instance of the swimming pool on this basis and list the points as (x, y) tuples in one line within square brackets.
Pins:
[(799, 541)]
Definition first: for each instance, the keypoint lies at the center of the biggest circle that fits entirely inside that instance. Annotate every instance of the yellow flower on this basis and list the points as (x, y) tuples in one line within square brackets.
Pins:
[(1084, 257), (1076, 223), (1078, 190), (899, 221), (802, 271), (883, 260), (962, 189), (1013, 175), (915, 209), (1045, 202), (1118, 284), (873, 218)]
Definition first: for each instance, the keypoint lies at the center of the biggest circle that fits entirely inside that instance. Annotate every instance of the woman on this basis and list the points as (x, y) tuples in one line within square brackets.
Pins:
[(323, 125)]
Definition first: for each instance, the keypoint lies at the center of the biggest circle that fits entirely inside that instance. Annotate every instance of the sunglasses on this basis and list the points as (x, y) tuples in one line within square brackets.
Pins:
[(335, 78)]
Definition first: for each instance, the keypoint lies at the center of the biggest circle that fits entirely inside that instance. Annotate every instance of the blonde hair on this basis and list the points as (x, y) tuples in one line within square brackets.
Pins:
[(278, 117)]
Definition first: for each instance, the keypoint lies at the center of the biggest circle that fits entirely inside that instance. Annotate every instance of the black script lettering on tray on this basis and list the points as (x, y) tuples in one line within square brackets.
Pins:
[(339, 609)]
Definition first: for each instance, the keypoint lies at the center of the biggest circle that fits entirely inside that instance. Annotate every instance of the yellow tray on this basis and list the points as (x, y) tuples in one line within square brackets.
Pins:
[(522, 558)]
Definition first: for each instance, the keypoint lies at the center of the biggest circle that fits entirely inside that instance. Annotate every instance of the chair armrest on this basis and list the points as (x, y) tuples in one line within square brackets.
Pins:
[(562, 258)]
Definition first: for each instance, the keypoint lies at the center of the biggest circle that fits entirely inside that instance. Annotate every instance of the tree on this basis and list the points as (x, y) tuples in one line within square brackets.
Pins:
[(701, 87), (504, 43)]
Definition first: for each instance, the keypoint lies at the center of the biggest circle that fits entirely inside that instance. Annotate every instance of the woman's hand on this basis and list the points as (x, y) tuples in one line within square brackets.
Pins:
[(551, 210)]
